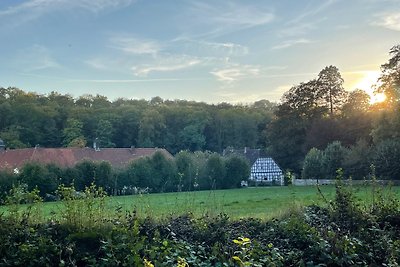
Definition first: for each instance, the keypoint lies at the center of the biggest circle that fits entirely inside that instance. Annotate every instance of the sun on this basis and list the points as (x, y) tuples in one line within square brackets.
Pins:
[(366, 83), (377, 98)]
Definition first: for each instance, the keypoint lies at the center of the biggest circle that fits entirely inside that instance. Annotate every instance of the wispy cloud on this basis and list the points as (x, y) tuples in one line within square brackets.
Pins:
[(226, 17), (297, 29), (312, 10), (33, 9), (306, 20), (167, 64), (43, 6), (136, 46), (126, 80), (96, 63), (217, 49), (235, 72), (290, 43), (35, 58), (389, 20)]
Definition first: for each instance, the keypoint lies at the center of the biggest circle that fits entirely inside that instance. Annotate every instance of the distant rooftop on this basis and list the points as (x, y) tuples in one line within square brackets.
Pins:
[(68, 157), (250, 154)]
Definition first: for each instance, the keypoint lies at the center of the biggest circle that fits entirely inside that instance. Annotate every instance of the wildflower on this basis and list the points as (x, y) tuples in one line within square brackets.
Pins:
[(147, 263), (242, 241), (182, 262)]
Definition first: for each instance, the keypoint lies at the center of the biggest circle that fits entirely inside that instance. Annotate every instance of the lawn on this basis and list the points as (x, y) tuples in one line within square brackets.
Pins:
[(261, 202)]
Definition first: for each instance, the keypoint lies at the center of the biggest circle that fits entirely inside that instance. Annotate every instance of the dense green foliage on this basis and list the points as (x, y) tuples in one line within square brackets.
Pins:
[(344, 232), (28, 119), (318, 113), (312, 114), (188, 171)]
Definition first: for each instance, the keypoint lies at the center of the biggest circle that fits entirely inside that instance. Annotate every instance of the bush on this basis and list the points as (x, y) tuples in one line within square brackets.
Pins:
[(386, 159)]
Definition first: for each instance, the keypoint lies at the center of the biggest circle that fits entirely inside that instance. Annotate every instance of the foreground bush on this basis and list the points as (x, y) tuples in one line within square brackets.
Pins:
[(343, 233)]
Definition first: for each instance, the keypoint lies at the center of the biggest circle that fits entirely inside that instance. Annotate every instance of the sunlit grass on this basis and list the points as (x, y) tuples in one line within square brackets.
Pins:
[(261, 202)]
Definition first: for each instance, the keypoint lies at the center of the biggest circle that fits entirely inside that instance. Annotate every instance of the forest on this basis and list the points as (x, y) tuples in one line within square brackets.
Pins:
[(316, 128)]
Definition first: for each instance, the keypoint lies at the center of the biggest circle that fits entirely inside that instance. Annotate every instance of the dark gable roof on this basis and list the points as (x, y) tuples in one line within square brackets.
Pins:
[(67, 157), (250, 154)]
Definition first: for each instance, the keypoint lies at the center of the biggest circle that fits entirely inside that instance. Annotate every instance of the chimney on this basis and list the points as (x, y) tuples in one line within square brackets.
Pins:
[(96, 145), (2, 145)]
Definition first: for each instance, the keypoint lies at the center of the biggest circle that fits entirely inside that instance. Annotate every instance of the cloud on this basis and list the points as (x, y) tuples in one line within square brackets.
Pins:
[(312, 10), (206, 48), (225, 17), (290, 43), (298, 29), (390, 21), (96, 63), (236, 72), (32, 9), (136, 46), (299, 25), (35, 58), (124, 80), (167, 64)]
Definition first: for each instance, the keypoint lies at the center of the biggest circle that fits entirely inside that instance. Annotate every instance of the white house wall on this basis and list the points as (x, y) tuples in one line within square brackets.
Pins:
[(266, 170)]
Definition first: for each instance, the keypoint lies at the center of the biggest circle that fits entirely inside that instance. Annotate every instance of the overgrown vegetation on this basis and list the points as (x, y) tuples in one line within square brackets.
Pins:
[(343, 232), (315, 114), (186, 172)]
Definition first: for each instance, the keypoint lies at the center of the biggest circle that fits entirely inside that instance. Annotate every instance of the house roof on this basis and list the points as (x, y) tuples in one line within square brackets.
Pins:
[(68, 157), (250, 154)]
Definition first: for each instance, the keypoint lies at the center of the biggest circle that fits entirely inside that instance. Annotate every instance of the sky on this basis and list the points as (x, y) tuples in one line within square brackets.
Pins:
[(211, 51)]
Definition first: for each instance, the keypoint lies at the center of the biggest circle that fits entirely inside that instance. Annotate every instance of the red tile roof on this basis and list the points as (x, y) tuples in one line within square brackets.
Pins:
[(67, 157)]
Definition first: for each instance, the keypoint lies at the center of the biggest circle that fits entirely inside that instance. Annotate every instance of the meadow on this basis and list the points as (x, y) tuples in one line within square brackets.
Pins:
[(265, 226), (258, 202)]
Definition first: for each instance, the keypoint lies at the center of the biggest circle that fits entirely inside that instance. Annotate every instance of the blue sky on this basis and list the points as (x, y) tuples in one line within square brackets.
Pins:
[(212, 51)]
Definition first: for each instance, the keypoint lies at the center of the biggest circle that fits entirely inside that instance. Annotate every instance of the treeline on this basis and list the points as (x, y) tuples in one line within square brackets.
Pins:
[(186, 172), (311, 116), (319, 127), (28, 119)]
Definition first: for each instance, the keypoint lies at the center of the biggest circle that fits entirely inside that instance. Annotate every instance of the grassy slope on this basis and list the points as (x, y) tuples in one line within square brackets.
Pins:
[(262, 202)]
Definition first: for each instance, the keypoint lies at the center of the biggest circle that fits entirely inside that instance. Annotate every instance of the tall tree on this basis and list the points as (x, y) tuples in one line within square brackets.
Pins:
[(104, 133), (303, 100), (390, 78), (73, 135), (330, 86)]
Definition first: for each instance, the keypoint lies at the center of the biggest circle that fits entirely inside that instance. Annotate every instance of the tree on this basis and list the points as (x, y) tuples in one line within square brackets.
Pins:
[(330, 87), (7, 180), (72, 133), (334, 155), (313, 166), (386, 159), (356, 103), (11, 136), (163, 173), (285, 138), (186, 170), (86, 174), (215, 173), (105, 177), (357, 161), (303, 100), (37, 175), (192, 138), (151, 129), (386, 127), (237, 170), (104, 133), (139, 174), (390, 79)]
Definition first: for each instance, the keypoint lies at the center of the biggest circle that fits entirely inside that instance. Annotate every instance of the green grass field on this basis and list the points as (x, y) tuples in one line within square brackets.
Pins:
[(261, 202)]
